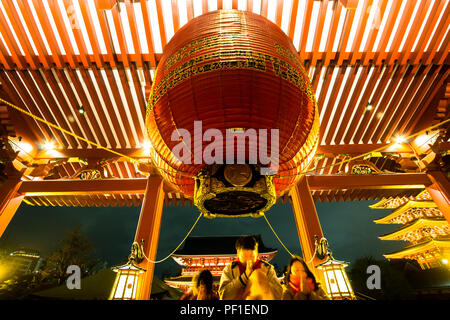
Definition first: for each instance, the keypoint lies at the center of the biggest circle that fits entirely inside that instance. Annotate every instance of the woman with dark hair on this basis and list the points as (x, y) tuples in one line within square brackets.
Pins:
[(300, 283), (202, 287)]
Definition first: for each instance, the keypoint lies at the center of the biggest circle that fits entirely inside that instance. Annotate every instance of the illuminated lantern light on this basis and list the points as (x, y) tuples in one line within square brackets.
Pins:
[(337, 284), (127, 282), (234, 71)]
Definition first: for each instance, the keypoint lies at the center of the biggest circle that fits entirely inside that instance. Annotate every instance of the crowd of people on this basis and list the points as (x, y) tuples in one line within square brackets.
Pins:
[(249, 278)]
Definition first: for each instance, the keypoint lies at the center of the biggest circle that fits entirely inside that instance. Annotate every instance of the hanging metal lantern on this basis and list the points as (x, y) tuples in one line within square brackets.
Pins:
[(228, 95), (337, 284), (126, 284)]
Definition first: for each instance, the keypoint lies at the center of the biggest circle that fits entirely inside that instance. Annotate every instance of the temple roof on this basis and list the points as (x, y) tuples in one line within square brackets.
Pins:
[(216, 246), (419, 248), (417, 224), (404, 208)]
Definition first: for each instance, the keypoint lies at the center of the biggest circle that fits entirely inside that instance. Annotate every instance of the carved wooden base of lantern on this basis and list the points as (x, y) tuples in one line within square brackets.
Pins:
[(233, 190)]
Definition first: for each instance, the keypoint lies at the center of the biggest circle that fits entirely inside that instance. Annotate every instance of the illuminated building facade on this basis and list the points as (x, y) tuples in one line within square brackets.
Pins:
[(422, 225), (212, 253)]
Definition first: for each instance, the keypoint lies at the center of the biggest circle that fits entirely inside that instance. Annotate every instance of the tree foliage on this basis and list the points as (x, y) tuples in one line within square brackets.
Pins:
[(74, 249), (394, 284)]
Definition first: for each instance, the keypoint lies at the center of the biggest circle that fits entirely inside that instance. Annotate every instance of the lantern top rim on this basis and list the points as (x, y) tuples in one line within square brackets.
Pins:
[(331, 262), (128, 266)]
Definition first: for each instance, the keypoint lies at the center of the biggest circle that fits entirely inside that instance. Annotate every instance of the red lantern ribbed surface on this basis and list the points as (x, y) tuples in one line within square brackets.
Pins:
[(231, 69)]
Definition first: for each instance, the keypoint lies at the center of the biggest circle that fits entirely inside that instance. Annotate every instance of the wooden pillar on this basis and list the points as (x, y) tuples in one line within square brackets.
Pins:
[(9, 201), (439, 191), (148, 229), (307, 222)]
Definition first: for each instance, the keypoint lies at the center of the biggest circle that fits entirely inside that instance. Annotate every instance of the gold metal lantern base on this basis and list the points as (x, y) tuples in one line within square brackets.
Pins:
[(233, 190)]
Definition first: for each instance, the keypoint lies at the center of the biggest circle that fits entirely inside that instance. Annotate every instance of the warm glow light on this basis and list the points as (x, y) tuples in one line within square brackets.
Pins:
[(49, 145), (126, 283), (337, 284), (400, 139), (444, 261)]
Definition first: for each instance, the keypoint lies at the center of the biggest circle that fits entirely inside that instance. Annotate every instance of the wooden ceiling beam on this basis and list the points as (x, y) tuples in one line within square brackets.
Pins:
[(394, 103), (175, 15), (118, 25), (8, 37), (89, 24), (190, 10), (134, 31), (415, 27), (69, 92), (32, 29), (383, 78), (305, 29), (130, 103), (101, 16), (340, 106), (24, 125), (319, 28), (87, 107), (380, 181), (389, 88), (293, 17), (405, 106), (349, 16), (68, 5), (412, 120), (332, 32), (355, 131), (393, 15), (26, 96), (330, 105), (438, 36), (120, 105), (22, 37), (45, 98), (115, 118), (352, 105), (69, 56), (404, 21), (98, 107), (264, 7), (375, 28), (360, 30), (162, 27)]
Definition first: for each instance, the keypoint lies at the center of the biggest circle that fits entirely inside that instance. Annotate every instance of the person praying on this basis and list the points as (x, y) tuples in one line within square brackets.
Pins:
[(235, 281), (300, 283)]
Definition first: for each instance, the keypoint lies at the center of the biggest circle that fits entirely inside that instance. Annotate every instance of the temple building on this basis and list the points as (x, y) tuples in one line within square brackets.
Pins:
[(212, 253), (356, 94), (423, 225)]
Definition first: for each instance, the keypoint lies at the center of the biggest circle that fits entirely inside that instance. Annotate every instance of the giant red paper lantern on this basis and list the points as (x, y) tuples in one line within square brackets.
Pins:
[(235, 72)]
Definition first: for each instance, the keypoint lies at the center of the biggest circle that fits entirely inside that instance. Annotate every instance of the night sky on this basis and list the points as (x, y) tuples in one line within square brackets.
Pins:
[(348, 226)]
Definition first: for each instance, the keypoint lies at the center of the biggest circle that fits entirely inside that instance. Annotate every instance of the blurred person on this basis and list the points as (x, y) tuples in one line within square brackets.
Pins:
[(202, 287)]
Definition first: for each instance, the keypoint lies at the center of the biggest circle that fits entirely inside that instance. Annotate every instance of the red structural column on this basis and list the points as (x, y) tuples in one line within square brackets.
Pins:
[(307, 222), (148, 229), (10, 201), (439, 191)]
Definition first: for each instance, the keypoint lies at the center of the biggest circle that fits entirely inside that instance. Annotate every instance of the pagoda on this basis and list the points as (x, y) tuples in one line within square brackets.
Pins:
[(422, 224), (212, 253)]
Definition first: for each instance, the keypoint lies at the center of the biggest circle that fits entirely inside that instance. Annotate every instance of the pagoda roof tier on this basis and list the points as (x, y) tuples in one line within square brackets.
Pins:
[(416, 225), (398, 201), (404, 208), (430, 245), (216, 246)]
